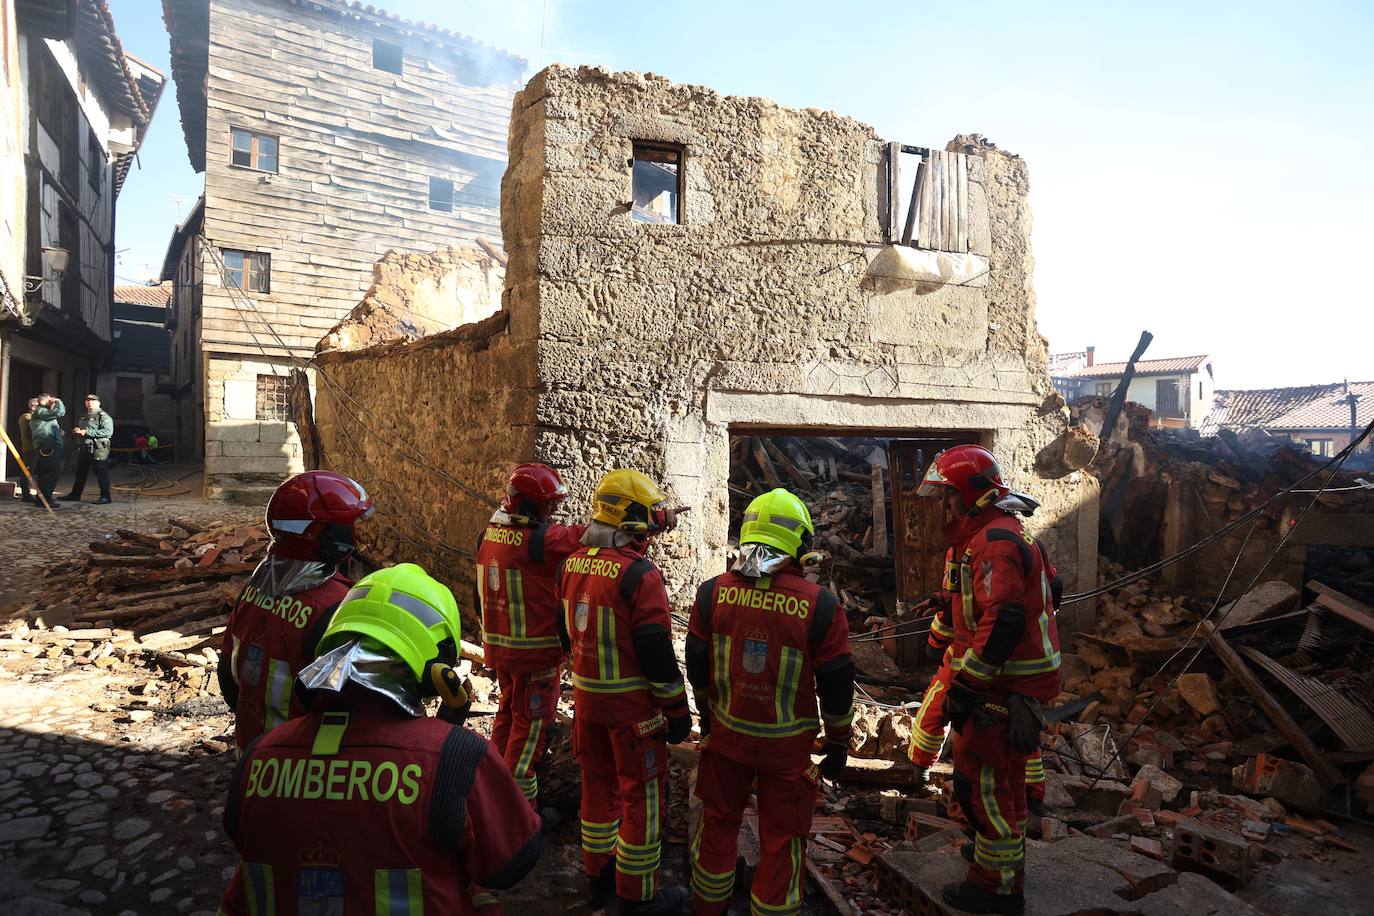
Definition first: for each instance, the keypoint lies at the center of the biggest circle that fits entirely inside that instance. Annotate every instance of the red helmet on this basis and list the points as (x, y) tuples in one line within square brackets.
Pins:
[(311, 516), (970, 469), (533, 483)]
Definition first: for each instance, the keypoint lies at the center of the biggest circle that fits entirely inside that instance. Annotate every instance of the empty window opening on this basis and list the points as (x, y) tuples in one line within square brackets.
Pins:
[(441, 195), (253, 151), (95, 161), (883, 547), (248, 270), (1322, 448), (657, 183), (274, 397), (387, 56)]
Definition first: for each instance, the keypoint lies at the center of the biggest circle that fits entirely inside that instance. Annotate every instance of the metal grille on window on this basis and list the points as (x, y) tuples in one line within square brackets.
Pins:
[(274, 397)]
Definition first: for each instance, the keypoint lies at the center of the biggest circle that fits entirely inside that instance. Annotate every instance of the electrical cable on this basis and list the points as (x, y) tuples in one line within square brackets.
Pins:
[(1339, 460), (333, 387)]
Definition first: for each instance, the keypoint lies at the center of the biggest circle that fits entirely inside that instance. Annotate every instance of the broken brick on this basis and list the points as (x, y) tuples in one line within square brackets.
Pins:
[(1204, 847), (1148, 847)]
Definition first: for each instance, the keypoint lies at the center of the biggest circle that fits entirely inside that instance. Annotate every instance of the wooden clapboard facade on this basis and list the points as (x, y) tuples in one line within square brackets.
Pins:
[(366, 160)]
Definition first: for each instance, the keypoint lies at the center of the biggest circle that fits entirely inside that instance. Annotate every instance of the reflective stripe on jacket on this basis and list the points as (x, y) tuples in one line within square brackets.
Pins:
[(608, 593), (516, 568), (268, 640), (363, 809), (766, 639), (1006, 636)]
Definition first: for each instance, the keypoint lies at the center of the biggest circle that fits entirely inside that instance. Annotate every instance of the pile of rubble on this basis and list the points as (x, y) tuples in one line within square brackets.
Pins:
[(158, 602), (842, 480)]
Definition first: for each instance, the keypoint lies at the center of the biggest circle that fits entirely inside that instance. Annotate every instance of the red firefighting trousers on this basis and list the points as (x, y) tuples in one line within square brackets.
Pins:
[(528, 704), (928, 733), (990, 784), (623, 795), (786, 800)]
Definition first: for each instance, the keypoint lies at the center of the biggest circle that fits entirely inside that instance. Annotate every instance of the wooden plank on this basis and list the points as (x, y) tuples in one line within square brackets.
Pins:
[(894, 192), (880, 546), (827, 889), (947, 231), (936, 206), (923, 231), (1343, 606), (770, 473), (961, 174), (1291, 731), (789, 467), (913, 209)]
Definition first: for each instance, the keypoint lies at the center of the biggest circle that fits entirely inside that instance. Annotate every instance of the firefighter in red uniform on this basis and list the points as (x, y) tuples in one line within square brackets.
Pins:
[(928, 731), (281, 613), (518, 558), (363, 804), (628, 694), (1007, 648), (763, 645)]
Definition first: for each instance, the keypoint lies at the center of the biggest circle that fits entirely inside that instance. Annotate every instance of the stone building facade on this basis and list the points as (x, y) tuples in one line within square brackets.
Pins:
[(329, 133), (641, 330)]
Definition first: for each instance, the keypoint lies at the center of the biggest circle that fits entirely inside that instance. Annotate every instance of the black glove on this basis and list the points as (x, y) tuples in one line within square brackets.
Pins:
[(960, 703), (679, 727), (1024, 723), (835, 756), (704, 720)]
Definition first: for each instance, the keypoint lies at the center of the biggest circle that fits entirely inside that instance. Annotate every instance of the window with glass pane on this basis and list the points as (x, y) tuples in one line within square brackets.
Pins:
[(248, 270), (657, 183), (253, 151)]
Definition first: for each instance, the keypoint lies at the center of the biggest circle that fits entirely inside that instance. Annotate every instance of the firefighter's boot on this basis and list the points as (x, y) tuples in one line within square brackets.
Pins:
[(669, 901), (601, 888), (973, 899)]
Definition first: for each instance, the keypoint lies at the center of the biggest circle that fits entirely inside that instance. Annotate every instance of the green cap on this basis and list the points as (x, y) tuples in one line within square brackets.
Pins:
[(404, 609), (779, 519)]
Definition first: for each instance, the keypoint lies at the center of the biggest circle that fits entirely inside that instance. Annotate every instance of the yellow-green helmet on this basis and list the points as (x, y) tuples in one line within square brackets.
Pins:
[(404, 609), (779, 519)]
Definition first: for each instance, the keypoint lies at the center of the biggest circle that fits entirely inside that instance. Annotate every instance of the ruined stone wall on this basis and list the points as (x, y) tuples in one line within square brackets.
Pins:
[(655, 341), (413, 295), (623, 343), (409, 418)]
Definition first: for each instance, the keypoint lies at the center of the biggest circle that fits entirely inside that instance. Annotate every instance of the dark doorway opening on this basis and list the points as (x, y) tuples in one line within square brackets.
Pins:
[(883, 545)]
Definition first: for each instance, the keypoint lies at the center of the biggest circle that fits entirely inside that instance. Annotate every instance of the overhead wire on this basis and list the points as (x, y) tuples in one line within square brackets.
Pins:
[(1339, 461), (339, 395)]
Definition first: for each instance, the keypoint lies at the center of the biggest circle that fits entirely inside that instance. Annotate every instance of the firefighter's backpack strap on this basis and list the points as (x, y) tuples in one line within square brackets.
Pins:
[(459, 758), (1002, 534), (826, 606), (637, 571), (536, 545)]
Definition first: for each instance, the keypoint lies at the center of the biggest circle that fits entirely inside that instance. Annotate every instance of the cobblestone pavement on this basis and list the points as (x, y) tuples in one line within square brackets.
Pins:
[(113, 767)]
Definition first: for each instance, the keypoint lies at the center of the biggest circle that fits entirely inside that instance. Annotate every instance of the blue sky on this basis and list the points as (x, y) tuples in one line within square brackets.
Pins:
[(1201, 170)]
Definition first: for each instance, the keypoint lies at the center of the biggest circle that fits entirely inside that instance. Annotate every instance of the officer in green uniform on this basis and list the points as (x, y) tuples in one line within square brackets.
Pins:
[(47, 445), (93, 432)]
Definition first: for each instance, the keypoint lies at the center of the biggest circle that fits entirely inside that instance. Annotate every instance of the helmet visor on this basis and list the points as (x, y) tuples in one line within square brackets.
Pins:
[(932, 482)]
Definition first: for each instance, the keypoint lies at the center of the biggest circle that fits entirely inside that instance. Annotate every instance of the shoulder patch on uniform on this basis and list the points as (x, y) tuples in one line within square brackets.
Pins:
[(637, 571), (459, 758), (1002, 534)]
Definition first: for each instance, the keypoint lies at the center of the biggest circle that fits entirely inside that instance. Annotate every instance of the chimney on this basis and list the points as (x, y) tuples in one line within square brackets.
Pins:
[(1090, 356)]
